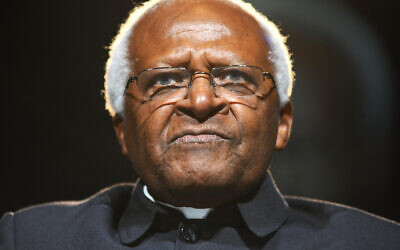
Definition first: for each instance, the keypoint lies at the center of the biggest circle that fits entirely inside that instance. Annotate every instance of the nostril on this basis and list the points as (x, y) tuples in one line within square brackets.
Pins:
[(222, 106), (202, 109)]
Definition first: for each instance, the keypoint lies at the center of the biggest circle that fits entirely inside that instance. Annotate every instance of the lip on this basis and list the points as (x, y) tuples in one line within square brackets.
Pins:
[(199, 136)]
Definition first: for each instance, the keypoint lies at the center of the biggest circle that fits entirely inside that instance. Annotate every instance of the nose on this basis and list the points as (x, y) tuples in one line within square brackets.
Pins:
[(201, 102)]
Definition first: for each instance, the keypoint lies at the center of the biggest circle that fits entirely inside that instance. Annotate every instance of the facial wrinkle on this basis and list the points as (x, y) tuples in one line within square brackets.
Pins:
[(179, 57), (141, 124), (220, 57), (198, 31)]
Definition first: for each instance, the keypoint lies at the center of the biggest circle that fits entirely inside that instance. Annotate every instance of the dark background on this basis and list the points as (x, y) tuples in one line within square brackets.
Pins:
[(58, 142)]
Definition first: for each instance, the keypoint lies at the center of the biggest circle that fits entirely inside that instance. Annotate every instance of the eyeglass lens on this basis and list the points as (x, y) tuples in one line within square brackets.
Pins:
[(229, 81)]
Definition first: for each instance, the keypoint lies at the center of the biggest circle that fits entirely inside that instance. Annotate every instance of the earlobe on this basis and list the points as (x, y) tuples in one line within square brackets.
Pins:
[(118, 123), (285, 126)]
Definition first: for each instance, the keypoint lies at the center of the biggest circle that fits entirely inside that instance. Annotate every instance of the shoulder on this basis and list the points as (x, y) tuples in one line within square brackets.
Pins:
[(343, 225), (55, 221), (110, 198)]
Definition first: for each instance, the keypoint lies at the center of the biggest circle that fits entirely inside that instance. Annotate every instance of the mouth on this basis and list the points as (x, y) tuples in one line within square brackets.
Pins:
[(200, 137)]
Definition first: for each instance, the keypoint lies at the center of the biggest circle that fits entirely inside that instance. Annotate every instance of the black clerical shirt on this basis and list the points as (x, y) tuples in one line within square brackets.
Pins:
[(122, 217)]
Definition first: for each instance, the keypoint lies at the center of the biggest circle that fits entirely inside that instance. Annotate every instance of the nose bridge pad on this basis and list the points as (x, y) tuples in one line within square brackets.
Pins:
[(199, 74)]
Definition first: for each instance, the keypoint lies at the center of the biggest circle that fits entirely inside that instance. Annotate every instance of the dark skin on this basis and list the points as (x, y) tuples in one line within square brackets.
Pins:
[(241, 138)]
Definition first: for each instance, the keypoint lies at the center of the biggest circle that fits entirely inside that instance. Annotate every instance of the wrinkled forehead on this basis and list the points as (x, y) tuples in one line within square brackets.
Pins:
[(200, 21)]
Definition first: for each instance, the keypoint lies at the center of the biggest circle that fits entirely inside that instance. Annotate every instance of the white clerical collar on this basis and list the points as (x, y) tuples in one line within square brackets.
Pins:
[(188, 212)]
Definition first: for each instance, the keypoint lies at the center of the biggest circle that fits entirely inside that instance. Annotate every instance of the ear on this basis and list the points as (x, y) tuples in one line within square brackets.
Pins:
[(285, 126), (118, 123)]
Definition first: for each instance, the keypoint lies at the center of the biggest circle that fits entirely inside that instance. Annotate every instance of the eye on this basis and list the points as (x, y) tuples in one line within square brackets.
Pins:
[(232, 76), (164, 79), (165, 83), (237, 82)]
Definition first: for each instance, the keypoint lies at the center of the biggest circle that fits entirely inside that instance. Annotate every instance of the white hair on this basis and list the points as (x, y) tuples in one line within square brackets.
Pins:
[(119, 65)]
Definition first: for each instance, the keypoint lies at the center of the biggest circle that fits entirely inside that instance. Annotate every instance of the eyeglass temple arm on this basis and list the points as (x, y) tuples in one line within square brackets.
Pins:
[(270, 76), (130, 80)]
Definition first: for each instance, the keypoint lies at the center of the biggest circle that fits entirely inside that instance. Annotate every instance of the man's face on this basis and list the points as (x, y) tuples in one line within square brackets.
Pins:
[(202, 150)]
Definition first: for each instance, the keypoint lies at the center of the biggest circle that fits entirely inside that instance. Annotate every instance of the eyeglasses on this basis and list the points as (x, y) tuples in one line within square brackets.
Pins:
[(167, 83)]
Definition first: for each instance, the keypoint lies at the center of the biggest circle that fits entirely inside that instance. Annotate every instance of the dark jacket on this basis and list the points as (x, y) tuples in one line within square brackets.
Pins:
[(121, 217)]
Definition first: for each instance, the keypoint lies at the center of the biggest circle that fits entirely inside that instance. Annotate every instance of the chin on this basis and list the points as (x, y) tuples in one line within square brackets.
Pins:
[(206, 168), (200, 186), (198, 176)]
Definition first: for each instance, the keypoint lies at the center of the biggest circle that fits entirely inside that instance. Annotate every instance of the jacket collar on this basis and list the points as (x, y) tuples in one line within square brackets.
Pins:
[(266, 210), (137, 217), (263, 212)]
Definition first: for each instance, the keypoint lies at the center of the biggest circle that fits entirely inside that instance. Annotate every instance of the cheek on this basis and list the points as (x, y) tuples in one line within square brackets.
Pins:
[(147, 134), (258, 129)]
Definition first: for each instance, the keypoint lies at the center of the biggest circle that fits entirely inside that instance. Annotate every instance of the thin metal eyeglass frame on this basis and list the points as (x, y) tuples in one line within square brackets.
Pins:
[(211, 77)]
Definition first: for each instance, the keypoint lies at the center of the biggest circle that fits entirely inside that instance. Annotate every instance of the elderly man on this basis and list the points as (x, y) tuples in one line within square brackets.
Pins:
[(199, 95)]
